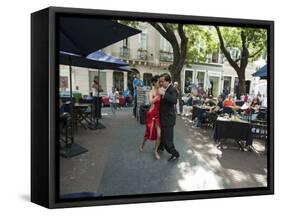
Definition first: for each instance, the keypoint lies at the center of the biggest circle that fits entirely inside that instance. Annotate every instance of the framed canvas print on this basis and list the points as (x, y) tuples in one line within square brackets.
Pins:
[(138, 107)]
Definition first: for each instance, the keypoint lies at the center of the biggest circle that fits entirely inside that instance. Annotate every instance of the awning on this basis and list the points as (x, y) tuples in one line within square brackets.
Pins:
[(262, 72)]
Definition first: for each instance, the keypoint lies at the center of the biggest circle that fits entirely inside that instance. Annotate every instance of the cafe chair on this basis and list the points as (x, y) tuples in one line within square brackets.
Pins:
[(259, 129), (65, 127)]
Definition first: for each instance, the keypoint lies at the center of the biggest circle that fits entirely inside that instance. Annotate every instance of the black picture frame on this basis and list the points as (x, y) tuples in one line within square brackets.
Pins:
[(44, 83)]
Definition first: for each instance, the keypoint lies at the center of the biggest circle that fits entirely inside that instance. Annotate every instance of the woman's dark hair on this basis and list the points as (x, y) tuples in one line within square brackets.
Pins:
[(166, 76), (154, 79)]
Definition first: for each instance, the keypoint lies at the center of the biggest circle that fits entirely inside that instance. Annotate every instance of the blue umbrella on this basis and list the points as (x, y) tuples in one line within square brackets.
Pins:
[(97, 60), (94, 61), (101, 57), (262, 72)]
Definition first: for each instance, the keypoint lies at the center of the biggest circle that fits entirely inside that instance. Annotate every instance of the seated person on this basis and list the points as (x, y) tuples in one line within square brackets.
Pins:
[(210, 101), (255, 105), (229, 102), (211, 114), (190, 100), (254, 108), (218, 108)]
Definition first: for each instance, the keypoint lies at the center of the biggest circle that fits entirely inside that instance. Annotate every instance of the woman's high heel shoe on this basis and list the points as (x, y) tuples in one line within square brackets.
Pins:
[(156, 155)]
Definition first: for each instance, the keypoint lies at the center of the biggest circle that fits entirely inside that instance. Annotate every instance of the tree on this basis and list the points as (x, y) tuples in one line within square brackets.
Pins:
[(252, 43), (168, 31), (190, 43)]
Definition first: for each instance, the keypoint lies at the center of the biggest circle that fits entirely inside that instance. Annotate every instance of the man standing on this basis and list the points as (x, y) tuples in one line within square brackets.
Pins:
[(168, 116), (137, 84)]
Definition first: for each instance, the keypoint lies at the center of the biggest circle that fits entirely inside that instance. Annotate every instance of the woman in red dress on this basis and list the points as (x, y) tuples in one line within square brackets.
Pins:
[(153, 129)]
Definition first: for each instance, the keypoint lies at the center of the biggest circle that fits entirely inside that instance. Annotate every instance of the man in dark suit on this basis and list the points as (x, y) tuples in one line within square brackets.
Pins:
[(168, 116)]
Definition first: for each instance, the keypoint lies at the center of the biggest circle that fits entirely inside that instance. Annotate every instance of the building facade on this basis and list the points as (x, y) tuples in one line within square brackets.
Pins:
[(151, 54)]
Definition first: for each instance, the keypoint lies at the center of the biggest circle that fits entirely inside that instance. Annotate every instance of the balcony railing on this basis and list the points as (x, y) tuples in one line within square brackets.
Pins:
[(165, 56), (142, 54), (124, 52)]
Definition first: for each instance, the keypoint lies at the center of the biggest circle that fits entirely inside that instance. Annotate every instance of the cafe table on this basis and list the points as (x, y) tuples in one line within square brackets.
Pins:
[(233, 128)]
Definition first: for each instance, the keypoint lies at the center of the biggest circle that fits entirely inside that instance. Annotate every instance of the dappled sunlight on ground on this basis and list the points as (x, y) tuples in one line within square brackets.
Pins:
[(115, 166), (198, 178)]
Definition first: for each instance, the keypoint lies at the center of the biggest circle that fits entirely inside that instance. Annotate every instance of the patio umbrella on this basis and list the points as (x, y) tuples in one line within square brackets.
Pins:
[(86, 35), (262, 72), (83, 36), (97, 60)]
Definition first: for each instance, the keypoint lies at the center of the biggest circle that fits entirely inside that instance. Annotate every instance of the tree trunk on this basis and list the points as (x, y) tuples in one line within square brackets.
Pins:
[(176, 77), (241, 84), (179, 51)]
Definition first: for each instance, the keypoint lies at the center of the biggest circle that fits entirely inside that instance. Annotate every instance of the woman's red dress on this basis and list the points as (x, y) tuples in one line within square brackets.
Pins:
[(152, 119)]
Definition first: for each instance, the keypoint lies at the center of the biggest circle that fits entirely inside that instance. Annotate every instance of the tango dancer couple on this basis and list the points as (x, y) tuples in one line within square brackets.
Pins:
[(161, 117)]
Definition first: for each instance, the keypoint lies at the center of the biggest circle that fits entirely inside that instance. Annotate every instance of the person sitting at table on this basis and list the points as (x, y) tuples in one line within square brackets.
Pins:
[(210, 116), (229, 102), (210, 101), (218, 107), (254, 108)]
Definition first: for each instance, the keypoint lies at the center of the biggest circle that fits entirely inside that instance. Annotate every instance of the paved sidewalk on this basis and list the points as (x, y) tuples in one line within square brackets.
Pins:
[(115, 166)]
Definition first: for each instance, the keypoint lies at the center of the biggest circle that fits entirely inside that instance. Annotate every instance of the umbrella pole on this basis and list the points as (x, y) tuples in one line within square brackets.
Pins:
[(97, 124), (92, 123), (71, 149), (71, 104)]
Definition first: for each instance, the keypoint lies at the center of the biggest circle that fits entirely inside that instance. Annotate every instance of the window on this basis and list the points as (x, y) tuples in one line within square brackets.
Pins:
[(236, 86), (143, 41), (124, 50), (118, 80), (142, 51), (234, 53), (200, 79), (166, 51), (221, 57), (209, 58), (188, 76), (147, 79), (165, 45), (63, 82), (215, 57), (125, 43), (188, 81), (227, 84)]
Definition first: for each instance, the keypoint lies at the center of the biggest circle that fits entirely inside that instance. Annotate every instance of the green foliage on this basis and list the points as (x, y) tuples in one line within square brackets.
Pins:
[(201, 39), (133, 24), (256, 40), (201, 42)]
